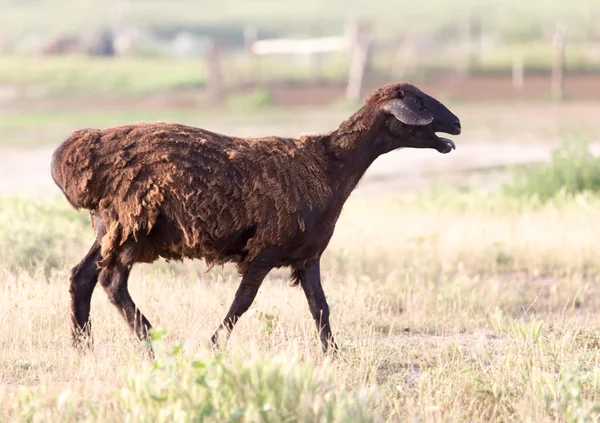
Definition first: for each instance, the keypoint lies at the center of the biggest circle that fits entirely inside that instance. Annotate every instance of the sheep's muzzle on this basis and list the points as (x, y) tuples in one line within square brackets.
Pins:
[(445, 145)]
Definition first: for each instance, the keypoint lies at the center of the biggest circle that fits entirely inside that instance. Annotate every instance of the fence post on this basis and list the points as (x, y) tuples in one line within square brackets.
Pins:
[(250, 36), (518, 72), (558, 67), (213, 73), (361, 48)]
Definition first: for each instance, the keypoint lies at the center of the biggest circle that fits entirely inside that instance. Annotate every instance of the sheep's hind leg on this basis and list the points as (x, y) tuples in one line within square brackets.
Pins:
[(113, 279), (84, 277), (310, 279), (254, 276)]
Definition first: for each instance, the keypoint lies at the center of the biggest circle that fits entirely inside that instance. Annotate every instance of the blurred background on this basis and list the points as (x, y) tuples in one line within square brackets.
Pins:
[(522, 76)]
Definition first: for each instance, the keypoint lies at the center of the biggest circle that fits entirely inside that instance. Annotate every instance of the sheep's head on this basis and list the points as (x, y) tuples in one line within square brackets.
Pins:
[(412, 118)]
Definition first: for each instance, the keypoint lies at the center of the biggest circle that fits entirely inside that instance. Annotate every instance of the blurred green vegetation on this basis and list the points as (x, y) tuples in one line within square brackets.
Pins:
[(73, 76), (86, 77), (512, 19), (573, 169), (36, 235), (78, 76), (209, 387), (509, 29)]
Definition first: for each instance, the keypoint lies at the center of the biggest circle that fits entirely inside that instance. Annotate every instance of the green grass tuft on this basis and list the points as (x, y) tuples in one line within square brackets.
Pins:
[(217, 387), (572, 169)]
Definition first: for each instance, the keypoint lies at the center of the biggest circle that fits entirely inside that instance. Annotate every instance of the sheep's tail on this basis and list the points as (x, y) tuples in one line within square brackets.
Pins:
[(72, 169)]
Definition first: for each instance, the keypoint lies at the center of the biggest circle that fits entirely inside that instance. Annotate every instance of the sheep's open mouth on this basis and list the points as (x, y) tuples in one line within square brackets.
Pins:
[(444, 145)]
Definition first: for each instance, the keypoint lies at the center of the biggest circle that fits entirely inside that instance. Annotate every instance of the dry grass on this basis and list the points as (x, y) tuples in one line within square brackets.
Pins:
[(452, 307)]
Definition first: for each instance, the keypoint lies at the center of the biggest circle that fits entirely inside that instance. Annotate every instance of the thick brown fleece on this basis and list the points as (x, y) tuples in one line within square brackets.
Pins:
[(206, 185)]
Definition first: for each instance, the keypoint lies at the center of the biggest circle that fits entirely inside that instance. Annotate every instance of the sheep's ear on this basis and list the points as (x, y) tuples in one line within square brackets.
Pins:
[(408, 111)]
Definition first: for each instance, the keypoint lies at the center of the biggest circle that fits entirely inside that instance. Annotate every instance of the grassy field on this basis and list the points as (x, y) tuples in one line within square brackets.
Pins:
[(510, 28), (447, 306), (85, 78)]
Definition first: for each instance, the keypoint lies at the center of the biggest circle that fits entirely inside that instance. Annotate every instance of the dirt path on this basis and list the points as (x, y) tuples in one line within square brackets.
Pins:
[(28, 171)]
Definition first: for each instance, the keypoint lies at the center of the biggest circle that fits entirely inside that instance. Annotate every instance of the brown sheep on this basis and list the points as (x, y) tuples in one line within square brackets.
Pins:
[(175, 191)]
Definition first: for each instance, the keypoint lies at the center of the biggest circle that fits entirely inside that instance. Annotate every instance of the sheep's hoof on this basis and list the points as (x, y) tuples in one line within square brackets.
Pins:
[(83, 340), (219, 339), (147, 349)]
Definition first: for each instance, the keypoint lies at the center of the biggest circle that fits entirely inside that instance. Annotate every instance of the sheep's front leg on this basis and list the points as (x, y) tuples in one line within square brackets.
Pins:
[(114, 280), (310, 279), (244, 296)]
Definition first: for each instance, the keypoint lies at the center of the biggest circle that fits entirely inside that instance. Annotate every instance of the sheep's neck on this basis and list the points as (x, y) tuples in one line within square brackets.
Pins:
[(351, 152)]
